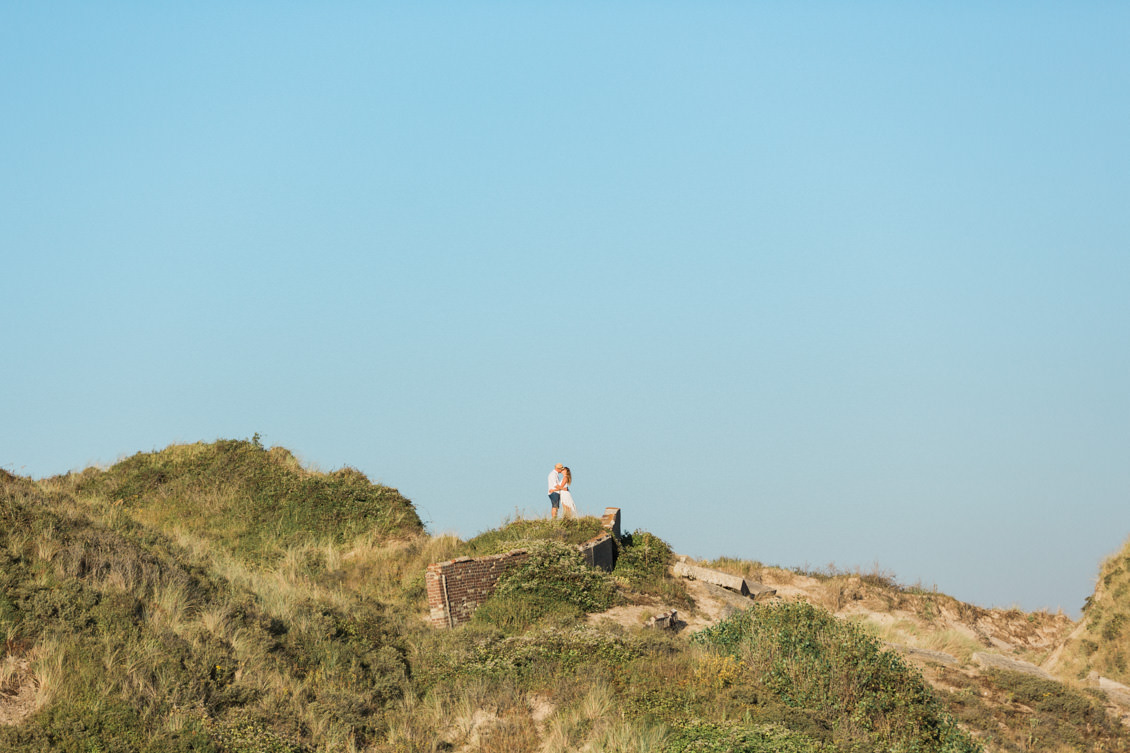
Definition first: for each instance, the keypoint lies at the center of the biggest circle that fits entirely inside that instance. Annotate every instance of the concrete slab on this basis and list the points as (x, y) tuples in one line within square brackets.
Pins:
[(736, 583), (939, 657), (1115, 691), (611, 521), (996, 661), (600, 552)]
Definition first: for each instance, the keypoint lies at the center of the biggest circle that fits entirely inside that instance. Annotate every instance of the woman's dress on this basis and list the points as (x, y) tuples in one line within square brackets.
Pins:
[(567, 501)]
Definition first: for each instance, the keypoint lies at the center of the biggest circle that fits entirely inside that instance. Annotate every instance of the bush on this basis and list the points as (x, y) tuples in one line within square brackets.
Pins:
[(809, 659), (643, 558), (712, 737), (1053, 702), (239, 732), (553, 580)]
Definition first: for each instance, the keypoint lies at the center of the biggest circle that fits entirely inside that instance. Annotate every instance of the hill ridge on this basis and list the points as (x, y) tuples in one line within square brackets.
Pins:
[(219, 597)]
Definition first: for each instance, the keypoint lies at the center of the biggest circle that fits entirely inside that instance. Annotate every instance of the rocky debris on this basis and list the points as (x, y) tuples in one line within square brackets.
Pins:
[(666, 621), (996, 661), (735, 583), (939, 657)]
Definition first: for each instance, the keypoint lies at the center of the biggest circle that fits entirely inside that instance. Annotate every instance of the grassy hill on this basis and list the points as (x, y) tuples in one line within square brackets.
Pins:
[(219, 597), (139, 640), (256, 502), (1101, 644)]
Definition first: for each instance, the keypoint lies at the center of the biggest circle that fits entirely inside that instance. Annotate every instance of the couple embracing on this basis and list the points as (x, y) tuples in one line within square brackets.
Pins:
[(559, 479)]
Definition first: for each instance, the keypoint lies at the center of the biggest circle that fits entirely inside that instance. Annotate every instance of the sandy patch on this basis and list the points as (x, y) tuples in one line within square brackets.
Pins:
[(17, 692)]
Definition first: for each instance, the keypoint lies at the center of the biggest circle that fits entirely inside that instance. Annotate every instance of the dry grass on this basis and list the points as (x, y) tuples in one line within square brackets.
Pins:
[(956, 643), (10, 670), (47, 661), (475, 715), (749, 569), (171, 607), (596, 723)]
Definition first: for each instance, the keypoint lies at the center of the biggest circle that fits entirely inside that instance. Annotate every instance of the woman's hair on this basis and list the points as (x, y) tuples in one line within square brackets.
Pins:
[(567, 474)]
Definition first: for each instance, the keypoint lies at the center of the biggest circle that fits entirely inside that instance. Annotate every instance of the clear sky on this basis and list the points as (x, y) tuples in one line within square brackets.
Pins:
[(802, 283)]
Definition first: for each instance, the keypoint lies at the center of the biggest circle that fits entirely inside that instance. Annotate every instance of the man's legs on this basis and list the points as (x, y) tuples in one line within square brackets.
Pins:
[(555, 500)]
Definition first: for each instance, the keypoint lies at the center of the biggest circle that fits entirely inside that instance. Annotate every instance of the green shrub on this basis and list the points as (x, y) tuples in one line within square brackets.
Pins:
[(517, 613), (643, 558), (553, 579), (809, 659), (715, 737), (536, 656), (240, 732), (1054, 702)]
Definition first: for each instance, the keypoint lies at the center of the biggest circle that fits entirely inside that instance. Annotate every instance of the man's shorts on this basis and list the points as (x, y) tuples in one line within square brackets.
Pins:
[(555, 500)]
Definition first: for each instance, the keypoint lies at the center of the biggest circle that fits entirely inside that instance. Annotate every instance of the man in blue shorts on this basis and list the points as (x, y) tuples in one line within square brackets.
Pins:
[(555, 489)]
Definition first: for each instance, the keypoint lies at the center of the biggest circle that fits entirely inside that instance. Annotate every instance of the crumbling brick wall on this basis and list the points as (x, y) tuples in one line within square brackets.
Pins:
[(457, 587)]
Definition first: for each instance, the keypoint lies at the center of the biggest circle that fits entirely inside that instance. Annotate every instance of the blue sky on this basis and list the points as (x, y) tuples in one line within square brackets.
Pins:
[(823, 284)]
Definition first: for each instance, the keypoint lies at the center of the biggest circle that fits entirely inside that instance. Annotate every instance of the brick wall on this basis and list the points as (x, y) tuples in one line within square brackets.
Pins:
[(457, 587)]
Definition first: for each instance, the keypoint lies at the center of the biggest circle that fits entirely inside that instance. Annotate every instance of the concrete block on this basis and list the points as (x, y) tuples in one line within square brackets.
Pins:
[(600, 552), (1115, 691), (939, 657), (752, 589), (611, 521), (996, 661)]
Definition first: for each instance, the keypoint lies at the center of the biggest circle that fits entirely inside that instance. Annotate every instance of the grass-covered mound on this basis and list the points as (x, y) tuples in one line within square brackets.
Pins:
[(517, 534), (555, 584), (810, 660), (132, 643), (255, 501), (642, 568)]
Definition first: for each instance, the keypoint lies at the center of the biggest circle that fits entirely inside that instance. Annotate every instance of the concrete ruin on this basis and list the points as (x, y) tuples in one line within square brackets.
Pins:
[(456, 588), (611, 521), (996, 661), (736, 583), (1115, 691), (600, 552)]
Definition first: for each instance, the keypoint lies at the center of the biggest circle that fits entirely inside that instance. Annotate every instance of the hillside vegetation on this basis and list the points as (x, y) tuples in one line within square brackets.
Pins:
[(220, 598), (139, 640), (255, 502), (1101, 644)]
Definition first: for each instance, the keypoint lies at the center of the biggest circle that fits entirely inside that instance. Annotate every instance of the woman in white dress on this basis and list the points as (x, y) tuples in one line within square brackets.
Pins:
[(567, 503)]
